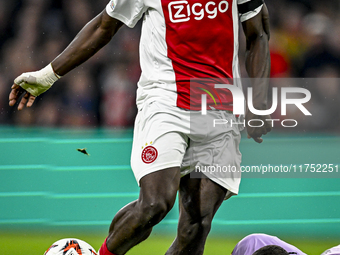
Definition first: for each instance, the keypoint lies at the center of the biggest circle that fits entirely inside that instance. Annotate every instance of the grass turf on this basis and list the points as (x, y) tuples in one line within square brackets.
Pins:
[(36, 243)]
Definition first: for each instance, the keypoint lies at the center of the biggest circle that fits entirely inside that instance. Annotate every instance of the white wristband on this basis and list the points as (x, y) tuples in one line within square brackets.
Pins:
[(37, 82)]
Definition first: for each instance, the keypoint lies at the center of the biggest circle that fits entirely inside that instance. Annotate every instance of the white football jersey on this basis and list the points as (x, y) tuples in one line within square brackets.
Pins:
[(182, 41)]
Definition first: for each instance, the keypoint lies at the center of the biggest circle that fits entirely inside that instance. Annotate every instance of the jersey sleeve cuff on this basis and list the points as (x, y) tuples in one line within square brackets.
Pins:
[(130, 22), (250, 14), (118, 16)]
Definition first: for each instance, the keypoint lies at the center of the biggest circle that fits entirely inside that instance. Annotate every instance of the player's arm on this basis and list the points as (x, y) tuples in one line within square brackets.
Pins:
[(94, 35), (257, 35)]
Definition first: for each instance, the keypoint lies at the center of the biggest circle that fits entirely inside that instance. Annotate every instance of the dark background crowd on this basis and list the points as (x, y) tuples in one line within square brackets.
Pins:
[(305, 43)]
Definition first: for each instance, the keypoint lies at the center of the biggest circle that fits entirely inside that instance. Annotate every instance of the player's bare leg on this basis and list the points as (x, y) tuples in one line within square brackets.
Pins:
[(199, 200), (134, 222)]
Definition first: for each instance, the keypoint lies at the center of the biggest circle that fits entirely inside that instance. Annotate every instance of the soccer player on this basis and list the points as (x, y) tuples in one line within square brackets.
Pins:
[(332, 251), (264, 244), (271, 250), (181, 41)]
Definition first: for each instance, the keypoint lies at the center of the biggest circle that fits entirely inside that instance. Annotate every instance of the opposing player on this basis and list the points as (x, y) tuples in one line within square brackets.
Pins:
[(271, 250), (332, 251), (182, 42), (256, 243)]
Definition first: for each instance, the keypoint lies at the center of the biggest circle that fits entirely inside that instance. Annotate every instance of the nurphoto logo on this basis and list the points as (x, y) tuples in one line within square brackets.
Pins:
[(238, 104)]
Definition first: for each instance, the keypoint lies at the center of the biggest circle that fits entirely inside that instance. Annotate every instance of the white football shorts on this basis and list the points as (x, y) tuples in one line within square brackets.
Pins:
[(167, 136)]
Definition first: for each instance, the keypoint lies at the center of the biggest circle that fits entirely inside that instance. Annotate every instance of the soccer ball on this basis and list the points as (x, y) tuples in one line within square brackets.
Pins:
[(70, 246)]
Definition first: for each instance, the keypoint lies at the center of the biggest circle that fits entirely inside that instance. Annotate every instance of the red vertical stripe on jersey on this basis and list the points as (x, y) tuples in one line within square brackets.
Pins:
[(200, 41)]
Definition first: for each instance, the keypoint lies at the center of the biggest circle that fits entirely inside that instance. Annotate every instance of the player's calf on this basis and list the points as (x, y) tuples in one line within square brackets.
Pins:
[(192, 236), (133, 223)]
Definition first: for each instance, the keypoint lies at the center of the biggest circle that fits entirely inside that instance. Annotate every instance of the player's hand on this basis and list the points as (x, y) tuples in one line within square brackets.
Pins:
[(32, 84), (257, 132), (16, 93)]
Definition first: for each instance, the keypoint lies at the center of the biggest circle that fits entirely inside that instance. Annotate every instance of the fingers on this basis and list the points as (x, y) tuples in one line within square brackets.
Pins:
[(30, 100), (23, 101), (257, 132), (256, 139), (27, 99), (15, 94)]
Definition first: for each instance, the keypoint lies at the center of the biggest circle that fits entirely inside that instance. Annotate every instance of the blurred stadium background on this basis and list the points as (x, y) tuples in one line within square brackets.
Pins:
[(50, 191)]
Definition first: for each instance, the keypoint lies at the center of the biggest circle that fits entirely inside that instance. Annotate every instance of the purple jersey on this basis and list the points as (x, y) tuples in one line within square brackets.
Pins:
[(332, 251), (253, 242)]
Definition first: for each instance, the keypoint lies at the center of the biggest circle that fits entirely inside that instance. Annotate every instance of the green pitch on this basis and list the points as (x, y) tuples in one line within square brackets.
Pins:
[(35, 244)]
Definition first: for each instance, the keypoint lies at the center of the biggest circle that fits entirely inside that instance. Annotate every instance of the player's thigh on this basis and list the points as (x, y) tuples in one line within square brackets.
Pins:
[(160, 188), (160, 139)]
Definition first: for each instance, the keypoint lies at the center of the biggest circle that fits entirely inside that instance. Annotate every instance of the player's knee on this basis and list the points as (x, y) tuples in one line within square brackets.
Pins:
[(196, 229), (154, 211), (206, 224), (189, 231)]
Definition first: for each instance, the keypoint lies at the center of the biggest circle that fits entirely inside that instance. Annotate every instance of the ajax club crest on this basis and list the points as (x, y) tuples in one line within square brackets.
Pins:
[(149, 154)]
